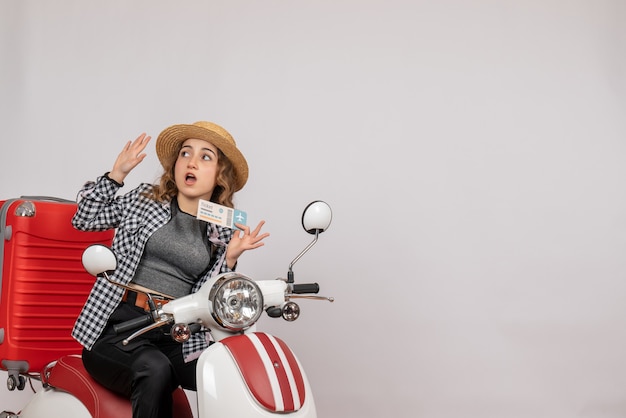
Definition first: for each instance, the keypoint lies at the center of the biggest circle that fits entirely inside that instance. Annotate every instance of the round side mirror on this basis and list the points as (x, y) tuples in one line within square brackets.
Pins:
[(98, 259), (316, 217)]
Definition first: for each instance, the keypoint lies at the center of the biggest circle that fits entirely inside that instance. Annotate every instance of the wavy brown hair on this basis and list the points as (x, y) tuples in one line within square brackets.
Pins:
[(223, 193)]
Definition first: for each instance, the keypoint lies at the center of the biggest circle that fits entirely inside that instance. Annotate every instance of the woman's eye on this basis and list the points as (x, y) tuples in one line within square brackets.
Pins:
[(206, 157), (184, 153)]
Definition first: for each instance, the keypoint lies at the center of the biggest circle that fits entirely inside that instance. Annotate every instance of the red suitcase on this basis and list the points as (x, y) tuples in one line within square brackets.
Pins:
[(43, 284)]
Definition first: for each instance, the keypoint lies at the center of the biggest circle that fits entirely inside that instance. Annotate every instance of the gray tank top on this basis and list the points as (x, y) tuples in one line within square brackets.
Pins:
[(176, 255)]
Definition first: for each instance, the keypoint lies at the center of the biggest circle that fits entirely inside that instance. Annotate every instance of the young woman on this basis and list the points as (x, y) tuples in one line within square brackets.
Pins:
[(160, 246)]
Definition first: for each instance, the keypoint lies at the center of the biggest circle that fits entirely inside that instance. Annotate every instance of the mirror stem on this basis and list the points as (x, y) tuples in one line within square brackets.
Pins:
[(290, 278)]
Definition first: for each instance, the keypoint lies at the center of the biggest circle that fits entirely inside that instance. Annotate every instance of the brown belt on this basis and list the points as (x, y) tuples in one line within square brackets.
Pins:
[(141, 300)]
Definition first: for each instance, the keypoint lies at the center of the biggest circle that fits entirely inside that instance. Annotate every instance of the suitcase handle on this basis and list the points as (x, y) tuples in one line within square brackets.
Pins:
[(50, 198)]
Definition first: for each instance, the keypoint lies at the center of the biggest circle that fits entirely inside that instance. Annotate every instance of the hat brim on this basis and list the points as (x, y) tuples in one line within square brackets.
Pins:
[(170, 140)]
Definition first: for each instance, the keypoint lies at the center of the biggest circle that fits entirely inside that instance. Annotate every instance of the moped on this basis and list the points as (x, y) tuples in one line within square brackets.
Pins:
[(244, 373)]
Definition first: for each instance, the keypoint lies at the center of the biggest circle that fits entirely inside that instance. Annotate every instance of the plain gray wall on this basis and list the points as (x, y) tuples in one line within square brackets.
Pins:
[(472, 151)]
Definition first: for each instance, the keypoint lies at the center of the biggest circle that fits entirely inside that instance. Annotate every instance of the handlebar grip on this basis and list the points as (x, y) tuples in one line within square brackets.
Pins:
[(305, 288), (131, 324)]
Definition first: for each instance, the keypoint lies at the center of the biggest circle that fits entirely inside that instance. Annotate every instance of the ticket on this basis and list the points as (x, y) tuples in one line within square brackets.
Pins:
[(220, 215)]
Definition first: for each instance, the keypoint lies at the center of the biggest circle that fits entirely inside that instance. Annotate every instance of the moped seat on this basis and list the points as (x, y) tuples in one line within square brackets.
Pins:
[(69, 374)]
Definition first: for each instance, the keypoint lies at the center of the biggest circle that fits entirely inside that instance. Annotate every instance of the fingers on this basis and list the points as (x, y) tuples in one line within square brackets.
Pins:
[(134, 150), (139, 144), (251, 239), (244, 228), (254, 233), (142, 140), (132, 154), (136, 146), (258, 228)]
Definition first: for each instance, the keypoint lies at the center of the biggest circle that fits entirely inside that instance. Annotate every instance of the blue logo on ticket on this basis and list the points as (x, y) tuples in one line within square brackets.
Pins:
[(221, 215)]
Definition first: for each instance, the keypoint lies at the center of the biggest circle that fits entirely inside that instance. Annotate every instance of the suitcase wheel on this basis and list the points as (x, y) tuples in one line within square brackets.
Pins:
[(16, 382)]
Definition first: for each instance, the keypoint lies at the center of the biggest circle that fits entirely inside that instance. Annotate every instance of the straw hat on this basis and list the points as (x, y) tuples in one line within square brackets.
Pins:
[(170, 140)]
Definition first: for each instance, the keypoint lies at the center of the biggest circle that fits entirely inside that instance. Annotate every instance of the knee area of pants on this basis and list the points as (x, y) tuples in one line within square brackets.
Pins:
[(158, 370)]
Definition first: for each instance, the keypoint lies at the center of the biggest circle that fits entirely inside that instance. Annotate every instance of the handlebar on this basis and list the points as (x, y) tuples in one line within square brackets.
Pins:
[(147, 322), (132, 324), (299, 289)]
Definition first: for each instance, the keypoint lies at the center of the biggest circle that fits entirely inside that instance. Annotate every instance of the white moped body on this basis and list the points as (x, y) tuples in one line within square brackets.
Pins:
[(52, 403)]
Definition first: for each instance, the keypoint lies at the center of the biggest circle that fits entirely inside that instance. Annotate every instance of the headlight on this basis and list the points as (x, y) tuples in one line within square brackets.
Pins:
[(237, 302)]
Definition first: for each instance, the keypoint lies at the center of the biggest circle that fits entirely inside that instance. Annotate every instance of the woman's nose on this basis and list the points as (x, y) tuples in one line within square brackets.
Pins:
[(192, 163)]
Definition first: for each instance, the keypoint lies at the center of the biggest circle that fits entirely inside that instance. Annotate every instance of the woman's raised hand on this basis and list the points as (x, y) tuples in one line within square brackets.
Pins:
[(129, 158), (244, 239)]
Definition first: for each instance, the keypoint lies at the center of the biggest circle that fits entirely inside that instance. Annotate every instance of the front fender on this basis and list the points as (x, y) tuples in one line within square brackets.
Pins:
[(251, 375)]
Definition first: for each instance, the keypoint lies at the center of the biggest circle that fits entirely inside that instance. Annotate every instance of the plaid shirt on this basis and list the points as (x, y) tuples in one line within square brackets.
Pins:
[(136, 218)]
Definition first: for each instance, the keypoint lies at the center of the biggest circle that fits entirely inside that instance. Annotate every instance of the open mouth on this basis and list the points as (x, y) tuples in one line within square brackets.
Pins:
[(190, 179)]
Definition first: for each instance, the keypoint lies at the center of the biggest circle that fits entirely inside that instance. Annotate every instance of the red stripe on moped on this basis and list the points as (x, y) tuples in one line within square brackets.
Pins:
[(276, 384), (295, 369), (279, 369)]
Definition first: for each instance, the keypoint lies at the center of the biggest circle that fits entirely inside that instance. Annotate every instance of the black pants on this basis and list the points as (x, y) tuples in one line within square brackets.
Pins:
[(147, 370)]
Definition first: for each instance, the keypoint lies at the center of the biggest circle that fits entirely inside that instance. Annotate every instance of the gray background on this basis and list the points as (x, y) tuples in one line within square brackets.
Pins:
[(472, 151)]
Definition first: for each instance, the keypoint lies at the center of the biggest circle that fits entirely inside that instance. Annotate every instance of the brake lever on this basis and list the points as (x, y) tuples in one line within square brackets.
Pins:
[(330, 299), (157, 324)]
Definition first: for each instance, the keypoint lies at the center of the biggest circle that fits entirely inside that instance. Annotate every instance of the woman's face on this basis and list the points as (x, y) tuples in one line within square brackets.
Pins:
[(196, 169)]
